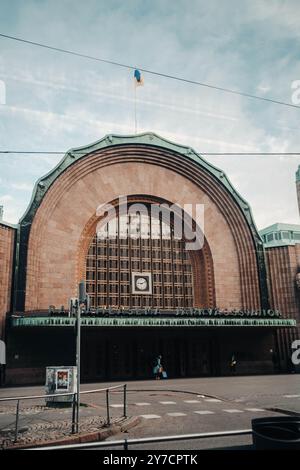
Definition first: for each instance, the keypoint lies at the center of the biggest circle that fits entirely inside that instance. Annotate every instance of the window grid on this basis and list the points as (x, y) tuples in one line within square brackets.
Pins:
[(110, 262)]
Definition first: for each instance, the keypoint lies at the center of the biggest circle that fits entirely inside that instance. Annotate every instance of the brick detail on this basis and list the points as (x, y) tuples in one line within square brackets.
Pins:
[(7, 237), (56, 247), (283, 263)]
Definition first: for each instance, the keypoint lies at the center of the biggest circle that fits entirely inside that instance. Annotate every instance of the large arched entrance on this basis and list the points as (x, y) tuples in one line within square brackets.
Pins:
[(146, 236), (145, 239)]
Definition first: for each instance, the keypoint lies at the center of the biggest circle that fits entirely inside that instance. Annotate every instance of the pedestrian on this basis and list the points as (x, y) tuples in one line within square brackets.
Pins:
[(232, 364), (291, 365), (204, 367), (274, 358), (2, 362), (1, 375), (158, 368)]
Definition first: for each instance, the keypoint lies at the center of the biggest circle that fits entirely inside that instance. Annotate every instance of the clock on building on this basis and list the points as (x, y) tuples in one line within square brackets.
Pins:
[(141, 283)]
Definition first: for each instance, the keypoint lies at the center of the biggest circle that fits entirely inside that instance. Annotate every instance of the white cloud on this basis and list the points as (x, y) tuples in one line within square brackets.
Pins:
[(56, 101), (5, 198), (263, 88), (22, 186)]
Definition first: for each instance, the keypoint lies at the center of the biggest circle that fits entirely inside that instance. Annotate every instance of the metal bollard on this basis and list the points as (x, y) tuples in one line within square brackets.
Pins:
[(125, 401), (107, 408), (17, 421), (74, 414)]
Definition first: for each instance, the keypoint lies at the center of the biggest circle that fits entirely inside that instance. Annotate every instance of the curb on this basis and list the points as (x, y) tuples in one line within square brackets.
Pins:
[(177, 391), (284, 411), (121, 425)]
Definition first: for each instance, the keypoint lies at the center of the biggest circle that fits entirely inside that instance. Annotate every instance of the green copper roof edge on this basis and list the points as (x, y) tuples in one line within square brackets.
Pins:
[(74, 154), (268, 245), (176, 322), (9, 225)]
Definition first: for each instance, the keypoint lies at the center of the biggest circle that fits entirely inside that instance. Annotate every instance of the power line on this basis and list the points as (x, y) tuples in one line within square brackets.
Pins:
[(151, 72), (250, 153), (34, 152), (44, 152)]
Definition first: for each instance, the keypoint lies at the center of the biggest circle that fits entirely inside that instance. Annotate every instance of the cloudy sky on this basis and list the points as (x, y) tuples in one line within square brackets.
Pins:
[(56, 101)]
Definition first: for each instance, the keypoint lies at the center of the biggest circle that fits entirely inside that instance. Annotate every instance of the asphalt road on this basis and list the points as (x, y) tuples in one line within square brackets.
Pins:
[(184, 406), (219, 404)]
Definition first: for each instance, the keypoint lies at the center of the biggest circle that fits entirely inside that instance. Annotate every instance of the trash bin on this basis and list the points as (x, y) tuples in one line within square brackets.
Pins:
[(281, 432)]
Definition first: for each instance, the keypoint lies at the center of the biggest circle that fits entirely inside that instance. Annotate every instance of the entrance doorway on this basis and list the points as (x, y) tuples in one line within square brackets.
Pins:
[(130, 354)]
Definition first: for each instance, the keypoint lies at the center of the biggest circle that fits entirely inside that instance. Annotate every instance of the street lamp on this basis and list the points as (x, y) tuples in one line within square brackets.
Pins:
[(83, 300)]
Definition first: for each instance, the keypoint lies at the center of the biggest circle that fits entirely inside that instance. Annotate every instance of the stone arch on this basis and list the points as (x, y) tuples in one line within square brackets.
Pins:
[(202, 262), (65, 201)]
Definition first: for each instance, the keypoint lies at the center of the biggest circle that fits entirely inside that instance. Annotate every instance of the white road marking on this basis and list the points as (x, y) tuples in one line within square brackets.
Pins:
[(116, 406), (168, 402), (176, 414), (233, 411), (142, 404), (150, 416), (254, 409), (192, 401), (213, 400), (204, 412), (291, 396)]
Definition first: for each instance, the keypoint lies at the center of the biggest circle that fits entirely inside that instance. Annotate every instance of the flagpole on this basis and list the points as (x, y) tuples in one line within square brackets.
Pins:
[(138, 81), (135, 118)]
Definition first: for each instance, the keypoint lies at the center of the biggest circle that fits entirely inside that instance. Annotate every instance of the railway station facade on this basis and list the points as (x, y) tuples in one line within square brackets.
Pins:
[(108, 214)]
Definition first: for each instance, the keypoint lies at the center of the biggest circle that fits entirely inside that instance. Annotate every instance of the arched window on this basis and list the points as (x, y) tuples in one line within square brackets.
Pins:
[(140, 243)]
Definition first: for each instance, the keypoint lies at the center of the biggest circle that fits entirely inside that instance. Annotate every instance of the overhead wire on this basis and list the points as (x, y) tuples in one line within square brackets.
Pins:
[(149, 71)]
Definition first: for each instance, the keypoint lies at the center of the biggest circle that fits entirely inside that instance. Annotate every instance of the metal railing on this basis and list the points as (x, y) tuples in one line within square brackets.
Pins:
[(125, 443), (107, 391)]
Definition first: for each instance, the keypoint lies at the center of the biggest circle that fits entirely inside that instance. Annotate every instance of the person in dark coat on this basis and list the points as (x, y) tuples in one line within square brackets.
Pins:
[(157, 369), (232, 364)]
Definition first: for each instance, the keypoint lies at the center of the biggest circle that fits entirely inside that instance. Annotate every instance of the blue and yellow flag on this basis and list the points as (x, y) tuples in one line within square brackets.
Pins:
[(138, 78)]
